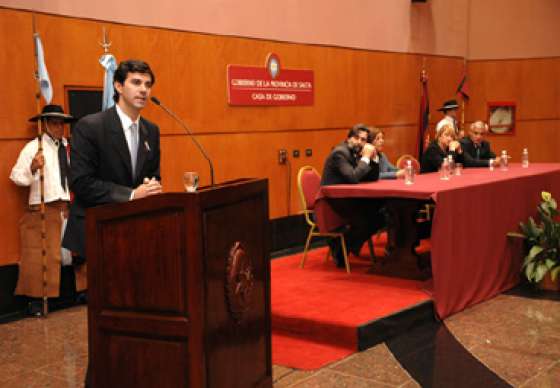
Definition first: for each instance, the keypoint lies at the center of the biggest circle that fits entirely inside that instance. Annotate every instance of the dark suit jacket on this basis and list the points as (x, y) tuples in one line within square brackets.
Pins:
[(469, 151), (433, 156), (342, 166), (101, 170)]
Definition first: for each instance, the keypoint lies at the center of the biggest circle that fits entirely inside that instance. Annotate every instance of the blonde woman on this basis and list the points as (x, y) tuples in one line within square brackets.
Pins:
[(444, 144)]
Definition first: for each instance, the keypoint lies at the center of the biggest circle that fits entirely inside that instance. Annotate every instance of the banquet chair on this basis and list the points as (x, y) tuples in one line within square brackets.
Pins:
[(309, 182), (401, 162)]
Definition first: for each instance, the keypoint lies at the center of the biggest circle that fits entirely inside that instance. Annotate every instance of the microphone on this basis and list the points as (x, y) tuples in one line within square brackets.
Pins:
[(156, 101)]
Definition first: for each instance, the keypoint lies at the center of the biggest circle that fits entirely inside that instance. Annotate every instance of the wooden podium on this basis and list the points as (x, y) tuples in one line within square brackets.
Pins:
[(179, 289)]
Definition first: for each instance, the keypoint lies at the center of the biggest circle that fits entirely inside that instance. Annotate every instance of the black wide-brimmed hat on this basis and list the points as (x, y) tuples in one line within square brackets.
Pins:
[(53, 112), (448, 105)]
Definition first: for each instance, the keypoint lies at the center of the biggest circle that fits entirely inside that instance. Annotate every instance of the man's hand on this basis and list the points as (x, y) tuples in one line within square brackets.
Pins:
[(400, 173), (369, 151), (149, 187), (37, 162)]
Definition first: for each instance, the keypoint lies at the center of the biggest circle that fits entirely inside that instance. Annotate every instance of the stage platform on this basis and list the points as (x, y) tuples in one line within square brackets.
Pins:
[(321, 314)]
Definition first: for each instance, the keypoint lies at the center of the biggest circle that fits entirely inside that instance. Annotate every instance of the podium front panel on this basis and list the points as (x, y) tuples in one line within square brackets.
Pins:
[(142, 266), (235, 338), (180, 290)]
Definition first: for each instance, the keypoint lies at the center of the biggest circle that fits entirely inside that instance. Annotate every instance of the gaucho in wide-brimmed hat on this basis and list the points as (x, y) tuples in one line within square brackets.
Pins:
[(52, 111), (449, 105)]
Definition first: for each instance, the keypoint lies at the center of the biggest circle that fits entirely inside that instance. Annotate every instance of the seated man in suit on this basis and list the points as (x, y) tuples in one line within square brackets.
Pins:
[(354, 161), (476, 150)]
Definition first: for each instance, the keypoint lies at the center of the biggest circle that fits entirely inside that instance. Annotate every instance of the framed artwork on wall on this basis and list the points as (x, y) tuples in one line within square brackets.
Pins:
[(501, 118)]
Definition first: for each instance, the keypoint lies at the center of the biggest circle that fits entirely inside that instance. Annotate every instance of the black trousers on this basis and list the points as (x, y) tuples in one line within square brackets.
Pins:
[(364, 218)]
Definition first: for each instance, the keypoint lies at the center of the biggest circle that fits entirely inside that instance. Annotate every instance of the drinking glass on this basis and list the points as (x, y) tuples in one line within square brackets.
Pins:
[(458, 169), (491, 164), (190, 180)]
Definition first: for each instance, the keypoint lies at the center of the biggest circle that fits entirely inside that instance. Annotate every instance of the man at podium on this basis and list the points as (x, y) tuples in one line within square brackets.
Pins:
[(115, 153)]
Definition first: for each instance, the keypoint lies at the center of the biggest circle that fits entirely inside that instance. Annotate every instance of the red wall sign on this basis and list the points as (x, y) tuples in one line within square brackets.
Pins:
[(269, 85)]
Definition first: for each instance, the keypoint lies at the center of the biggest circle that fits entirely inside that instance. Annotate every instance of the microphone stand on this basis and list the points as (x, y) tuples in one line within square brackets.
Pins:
[(200, 148)]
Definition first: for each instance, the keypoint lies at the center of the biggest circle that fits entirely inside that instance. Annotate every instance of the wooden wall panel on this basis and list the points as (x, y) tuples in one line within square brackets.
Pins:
[(16, 62), (14, 202), (351, 86), (534, 85)]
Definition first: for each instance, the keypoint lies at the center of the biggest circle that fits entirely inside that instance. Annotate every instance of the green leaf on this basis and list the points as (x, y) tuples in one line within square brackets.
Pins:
[(540, 271), (535, 250), (530, 271), (549, 263), (554, 272)]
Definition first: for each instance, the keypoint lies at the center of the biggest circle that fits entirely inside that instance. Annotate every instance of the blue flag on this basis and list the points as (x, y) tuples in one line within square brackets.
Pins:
[(42, 73), (109, 63)]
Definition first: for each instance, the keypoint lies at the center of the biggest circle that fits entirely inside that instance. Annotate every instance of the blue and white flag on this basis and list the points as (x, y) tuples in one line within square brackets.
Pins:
[(42, 74), (109, 63)]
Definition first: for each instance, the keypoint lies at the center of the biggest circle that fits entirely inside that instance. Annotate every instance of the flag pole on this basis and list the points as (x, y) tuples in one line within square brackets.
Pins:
[(41, 175), (424, 121), (463, 97)]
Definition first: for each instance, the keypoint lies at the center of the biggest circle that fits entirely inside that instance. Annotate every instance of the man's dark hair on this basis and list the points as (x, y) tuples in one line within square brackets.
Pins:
[(130, 66), (356, 129)]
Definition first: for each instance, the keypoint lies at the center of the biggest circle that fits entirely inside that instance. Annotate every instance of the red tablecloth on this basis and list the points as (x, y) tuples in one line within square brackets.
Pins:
[(472, 258)]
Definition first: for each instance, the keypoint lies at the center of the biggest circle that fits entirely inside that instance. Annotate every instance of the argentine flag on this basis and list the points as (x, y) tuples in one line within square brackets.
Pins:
[(43, 75), (109, 63)]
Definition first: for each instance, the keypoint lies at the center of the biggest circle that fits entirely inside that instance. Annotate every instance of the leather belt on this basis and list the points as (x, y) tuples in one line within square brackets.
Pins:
[(62, 205)]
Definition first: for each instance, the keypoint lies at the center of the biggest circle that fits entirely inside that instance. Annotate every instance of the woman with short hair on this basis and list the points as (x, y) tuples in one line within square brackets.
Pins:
[(444, 144)]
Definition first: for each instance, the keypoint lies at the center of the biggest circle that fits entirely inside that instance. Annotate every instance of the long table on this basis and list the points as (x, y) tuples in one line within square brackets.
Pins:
[(472, 258)]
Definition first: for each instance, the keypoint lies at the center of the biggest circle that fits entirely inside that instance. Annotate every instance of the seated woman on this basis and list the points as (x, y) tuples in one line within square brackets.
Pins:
[(445, 144), (386, 169)]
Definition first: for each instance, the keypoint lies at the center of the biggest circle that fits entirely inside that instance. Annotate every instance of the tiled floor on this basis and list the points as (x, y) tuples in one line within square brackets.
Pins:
[(516, 338)]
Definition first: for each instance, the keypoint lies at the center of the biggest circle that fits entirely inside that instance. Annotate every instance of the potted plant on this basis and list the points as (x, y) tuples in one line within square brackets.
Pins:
[(542, 241)]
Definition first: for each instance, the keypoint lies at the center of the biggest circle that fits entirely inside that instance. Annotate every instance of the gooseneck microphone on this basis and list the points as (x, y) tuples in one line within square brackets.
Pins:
[(156, 101)]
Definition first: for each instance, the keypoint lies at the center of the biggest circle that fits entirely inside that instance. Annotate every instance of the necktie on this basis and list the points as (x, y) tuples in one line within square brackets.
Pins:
[(133, 147), (62, 164), (478, 152)]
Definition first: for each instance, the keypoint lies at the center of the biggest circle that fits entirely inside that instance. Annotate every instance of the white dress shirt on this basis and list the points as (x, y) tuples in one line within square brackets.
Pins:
[(126, 122), (21, 173), (447, 120)]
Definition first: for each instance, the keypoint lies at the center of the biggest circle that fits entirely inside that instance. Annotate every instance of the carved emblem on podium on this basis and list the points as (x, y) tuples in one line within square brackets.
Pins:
[(239, 282)]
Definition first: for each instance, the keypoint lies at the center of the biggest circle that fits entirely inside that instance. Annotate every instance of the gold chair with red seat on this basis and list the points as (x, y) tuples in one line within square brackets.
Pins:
[(309, 183), (402, 160)]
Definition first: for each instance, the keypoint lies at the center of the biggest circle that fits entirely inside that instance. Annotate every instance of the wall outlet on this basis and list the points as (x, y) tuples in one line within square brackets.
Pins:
[(282, 156)]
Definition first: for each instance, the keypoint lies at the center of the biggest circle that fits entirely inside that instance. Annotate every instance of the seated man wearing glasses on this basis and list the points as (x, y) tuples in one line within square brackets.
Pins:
[(354, 161)]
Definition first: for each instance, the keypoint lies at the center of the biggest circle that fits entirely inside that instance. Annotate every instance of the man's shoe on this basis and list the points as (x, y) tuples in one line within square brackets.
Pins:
[(336, 252), (81, 298), (35, 308)]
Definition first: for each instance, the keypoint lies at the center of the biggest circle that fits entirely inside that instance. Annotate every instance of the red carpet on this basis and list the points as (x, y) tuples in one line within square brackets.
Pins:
[(316, 311)]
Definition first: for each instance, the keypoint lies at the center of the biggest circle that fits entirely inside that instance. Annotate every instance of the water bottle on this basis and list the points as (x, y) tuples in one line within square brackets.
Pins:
[(444, 170), (525, 158), (451, 164), (504, 161), (408, 173)]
